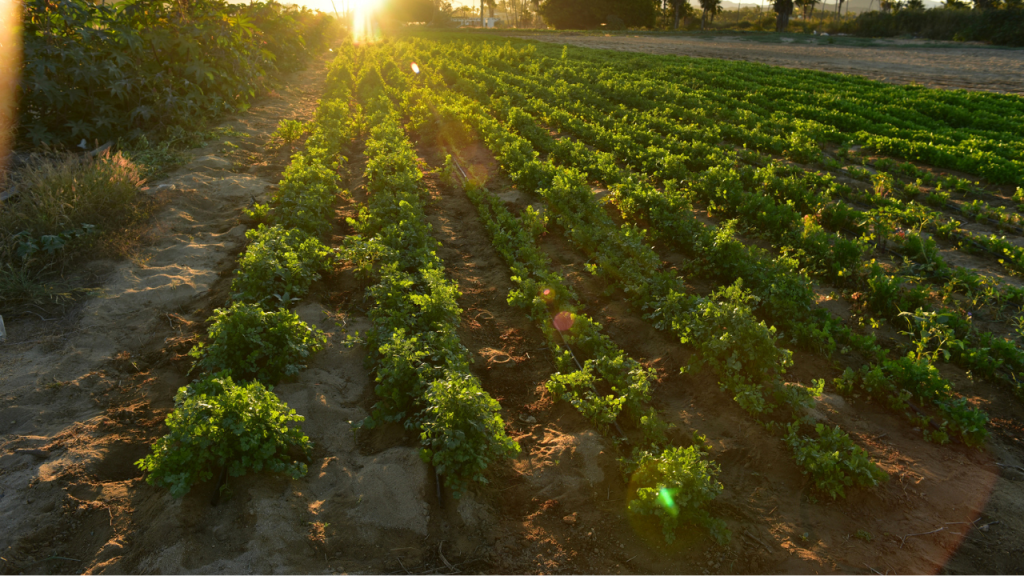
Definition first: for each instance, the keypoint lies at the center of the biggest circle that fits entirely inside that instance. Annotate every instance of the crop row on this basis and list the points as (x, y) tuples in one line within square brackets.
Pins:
[(682, 472), (766, 199), (421, 368), (229, 420), (968, 423), (652, 141), (977, 133), (914, 374), (744, 355)]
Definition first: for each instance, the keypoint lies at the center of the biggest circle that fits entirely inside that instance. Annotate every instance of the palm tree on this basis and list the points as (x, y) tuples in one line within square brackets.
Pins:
[(805, 6), (711, 7), (783, 9), (684, 9), (490, 4)]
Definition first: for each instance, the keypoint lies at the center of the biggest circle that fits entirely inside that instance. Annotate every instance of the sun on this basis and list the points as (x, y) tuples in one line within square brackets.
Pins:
[(364, 29)]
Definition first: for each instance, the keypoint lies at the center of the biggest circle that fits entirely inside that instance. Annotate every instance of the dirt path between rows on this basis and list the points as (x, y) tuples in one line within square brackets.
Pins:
[(937, 66)]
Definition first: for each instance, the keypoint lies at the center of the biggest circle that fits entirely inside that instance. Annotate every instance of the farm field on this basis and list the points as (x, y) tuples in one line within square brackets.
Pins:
[(544, 308), (934, 64)]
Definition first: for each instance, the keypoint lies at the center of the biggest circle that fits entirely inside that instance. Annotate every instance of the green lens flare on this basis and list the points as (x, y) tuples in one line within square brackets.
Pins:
[(666, 500)]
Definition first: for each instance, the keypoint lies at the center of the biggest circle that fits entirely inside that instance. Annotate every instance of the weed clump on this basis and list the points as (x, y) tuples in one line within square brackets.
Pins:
[(61, 208)]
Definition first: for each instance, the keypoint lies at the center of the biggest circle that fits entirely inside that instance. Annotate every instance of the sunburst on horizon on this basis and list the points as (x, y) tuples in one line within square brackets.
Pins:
[(364, 27)]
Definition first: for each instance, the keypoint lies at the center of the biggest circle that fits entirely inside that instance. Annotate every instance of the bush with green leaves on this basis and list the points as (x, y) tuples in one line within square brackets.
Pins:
[(254, 343), (306, 195), (421, 367), (290, 130), (218, 424), (463, 430), (278, 266), (833, 461), (674, 486), (103, 71), (738, 348)]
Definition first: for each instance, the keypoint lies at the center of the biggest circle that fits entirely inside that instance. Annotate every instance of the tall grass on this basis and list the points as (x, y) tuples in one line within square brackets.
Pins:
[(63, 208)]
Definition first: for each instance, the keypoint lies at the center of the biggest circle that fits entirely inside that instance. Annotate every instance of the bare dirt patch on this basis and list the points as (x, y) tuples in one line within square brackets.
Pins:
[(933, 64)]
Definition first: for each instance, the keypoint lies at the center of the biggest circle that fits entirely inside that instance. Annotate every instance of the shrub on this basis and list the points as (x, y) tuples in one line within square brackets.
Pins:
[(463, 432), (675, 485), (106, 71), (833, 461), (1004, 27), (306, 195), (741, 350), (62, 207), (217, 423), (290, 130), (278, 266), (252, 343)]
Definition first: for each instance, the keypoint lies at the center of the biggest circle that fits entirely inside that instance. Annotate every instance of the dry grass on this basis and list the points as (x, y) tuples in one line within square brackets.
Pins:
[(67, 210), (62, 193)]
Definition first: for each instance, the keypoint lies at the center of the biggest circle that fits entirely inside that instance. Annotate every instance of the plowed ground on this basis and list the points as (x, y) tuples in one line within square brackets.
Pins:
[(92, 389)]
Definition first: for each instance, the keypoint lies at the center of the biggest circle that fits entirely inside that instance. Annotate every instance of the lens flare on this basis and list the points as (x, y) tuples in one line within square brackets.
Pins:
[(364, 25), (415, 68), (668, 502), (563, 321), (10, 66)]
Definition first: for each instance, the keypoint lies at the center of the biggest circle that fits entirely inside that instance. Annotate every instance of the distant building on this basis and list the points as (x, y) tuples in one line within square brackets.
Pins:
[(490, 22)]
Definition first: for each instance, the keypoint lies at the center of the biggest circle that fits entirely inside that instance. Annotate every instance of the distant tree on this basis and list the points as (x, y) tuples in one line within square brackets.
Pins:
[(914, 5), (986, 4), (955, 5), (443, 12), (684, 10), (709, 8), (517, 12), (807, 6), (590, 14), (489, 4), (536, 10), (783, 10)]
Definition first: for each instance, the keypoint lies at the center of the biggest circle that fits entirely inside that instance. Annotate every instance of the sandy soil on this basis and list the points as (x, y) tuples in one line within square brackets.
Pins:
[(938, 65)]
